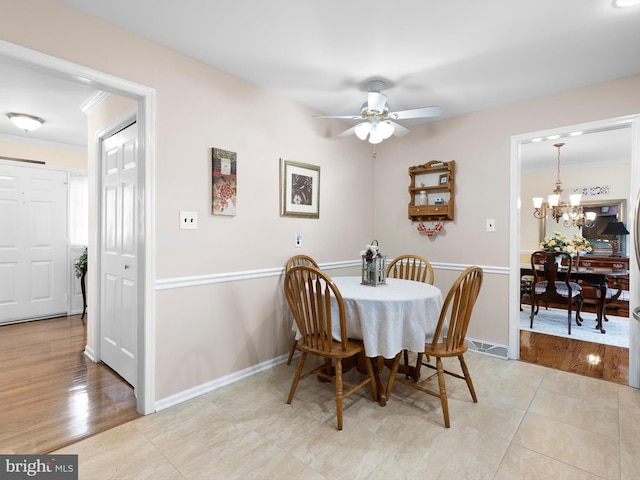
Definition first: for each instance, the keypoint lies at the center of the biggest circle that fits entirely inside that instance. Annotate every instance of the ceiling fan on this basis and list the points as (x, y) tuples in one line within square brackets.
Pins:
[(379, 123)]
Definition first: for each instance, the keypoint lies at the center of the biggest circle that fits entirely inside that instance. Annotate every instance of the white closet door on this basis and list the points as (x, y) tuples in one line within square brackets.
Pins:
[(119, 265)]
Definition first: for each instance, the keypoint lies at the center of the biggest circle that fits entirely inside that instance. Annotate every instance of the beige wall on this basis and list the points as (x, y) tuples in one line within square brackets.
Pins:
[(52, 156), (210, 331)]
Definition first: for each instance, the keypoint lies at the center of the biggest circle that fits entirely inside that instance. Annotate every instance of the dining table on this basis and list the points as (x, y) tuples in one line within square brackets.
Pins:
[(389, 318)]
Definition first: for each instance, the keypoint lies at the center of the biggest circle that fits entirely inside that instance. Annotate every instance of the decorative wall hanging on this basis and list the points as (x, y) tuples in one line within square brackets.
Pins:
[(430, 232), (299, 189), (224, 182)]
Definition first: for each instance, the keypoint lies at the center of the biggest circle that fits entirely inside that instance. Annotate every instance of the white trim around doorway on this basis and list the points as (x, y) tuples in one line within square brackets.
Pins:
[(145, 97)]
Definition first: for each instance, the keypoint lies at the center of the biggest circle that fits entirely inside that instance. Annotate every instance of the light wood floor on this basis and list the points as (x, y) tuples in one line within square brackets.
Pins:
[(51, 394)]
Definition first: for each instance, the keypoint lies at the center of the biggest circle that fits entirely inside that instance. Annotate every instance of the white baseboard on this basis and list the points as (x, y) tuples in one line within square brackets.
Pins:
[(215, 384)]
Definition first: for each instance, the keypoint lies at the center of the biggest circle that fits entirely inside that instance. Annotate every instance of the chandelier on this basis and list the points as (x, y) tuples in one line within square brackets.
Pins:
[(571, 213)]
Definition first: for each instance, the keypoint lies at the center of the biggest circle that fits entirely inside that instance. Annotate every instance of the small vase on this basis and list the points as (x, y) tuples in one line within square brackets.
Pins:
[(423, 198)]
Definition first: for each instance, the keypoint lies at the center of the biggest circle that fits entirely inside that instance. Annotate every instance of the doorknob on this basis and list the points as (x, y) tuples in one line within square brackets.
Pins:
[(126, 267)]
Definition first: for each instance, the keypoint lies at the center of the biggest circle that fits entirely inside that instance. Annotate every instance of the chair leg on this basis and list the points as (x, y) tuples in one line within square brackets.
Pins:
[(467, 377), (406, 359), (339, 397), (569, 318), (443, 392), (296, 377), (419, 364), (372, 379), (579, 319), (533, 312), (292, 350), (392, 374)]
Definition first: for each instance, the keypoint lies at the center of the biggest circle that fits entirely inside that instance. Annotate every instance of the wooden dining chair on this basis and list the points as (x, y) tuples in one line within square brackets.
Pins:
[(548, 287), (310, 293), (411, 267), (449, 340), (292, 262)]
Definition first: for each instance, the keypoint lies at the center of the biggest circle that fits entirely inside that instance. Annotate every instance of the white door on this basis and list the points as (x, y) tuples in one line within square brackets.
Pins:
[(119, 259), (33, 243)]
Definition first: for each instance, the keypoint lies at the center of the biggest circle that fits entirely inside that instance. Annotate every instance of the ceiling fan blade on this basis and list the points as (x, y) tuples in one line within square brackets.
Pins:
[(416, 113), (346, 133), (376, 101), (350, 117), (398, 130)]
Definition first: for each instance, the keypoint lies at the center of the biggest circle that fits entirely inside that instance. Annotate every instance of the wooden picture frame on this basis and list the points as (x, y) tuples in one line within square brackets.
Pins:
[(443, 179), (299, 189)]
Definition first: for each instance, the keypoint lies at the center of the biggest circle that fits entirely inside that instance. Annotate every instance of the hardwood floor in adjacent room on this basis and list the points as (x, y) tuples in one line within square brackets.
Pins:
[(51, 394), (585, 358)]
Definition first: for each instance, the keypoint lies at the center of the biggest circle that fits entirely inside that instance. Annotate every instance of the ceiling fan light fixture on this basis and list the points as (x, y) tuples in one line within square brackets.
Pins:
[(385, 129), (362, 130), (25, 122), (376, 135)]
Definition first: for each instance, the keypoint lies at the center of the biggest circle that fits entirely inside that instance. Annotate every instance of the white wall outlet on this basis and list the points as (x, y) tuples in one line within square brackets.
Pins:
[(188, 220), (491, 224), (298, 240)]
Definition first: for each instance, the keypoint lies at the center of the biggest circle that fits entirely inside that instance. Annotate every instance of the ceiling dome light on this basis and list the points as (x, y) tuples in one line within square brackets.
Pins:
[(625, 3), (25, 122)]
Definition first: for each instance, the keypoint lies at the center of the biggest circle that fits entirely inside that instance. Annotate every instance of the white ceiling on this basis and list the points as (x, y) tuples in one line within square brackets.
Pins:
[(462, 55)]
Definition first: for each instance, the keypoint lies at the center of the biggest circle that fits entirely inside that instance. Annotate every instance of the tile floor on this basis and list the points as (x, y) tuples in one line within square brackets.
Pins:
[(530, 422)]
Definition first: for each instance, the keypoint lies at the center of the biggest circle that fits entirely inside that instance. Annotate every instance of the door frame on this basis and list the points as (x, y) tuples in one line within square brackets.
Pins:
[(146, 118), (633, 123)]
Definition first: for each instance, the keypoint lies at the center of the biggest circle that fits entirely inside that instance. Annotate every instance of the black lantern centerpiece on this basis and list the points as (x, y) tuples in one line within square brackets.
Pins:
[(373, 265)]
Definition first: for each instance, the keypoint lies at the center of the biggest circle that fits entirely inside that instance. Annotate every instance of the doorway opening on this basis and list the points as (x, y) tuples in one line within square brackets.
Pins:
[(145, 98), (525, 238)]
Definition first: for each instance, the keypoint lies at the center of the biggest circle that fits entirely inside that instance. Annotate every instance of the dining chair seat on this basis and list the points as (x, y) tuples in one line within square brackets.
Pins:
[(561, 288)]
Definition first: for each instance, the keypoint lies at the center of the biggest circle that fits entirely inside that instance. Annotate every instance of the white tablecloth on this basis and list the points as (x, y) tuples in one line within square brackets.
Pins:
[(389, 318)]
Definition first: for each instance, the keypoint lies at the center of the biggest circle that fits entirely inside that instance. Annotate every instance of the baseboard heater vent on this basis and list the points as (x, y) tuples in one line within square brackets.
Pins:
[(500, 351)]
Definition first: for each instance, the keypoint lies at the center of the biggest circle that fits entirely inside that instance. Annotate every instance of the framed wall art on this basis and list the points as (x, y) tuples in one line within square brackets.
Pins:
[(224, 182), (299, 189)]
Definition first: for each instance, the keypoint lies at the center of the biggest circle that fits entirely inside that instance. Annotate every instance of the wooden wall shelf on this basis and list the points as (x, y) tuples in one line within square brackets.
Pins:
[(432, 183)]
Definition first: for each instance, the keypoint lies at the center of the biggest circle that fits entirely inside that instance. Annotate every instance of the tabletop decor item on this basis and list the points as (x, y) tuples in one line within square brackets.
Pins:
[(560, 243), (373, 265)]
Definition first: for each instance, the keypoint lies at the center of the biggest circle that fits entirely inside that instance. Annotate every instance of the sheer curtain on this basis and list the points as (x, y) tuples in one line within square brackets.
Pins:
[(78, 209)]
